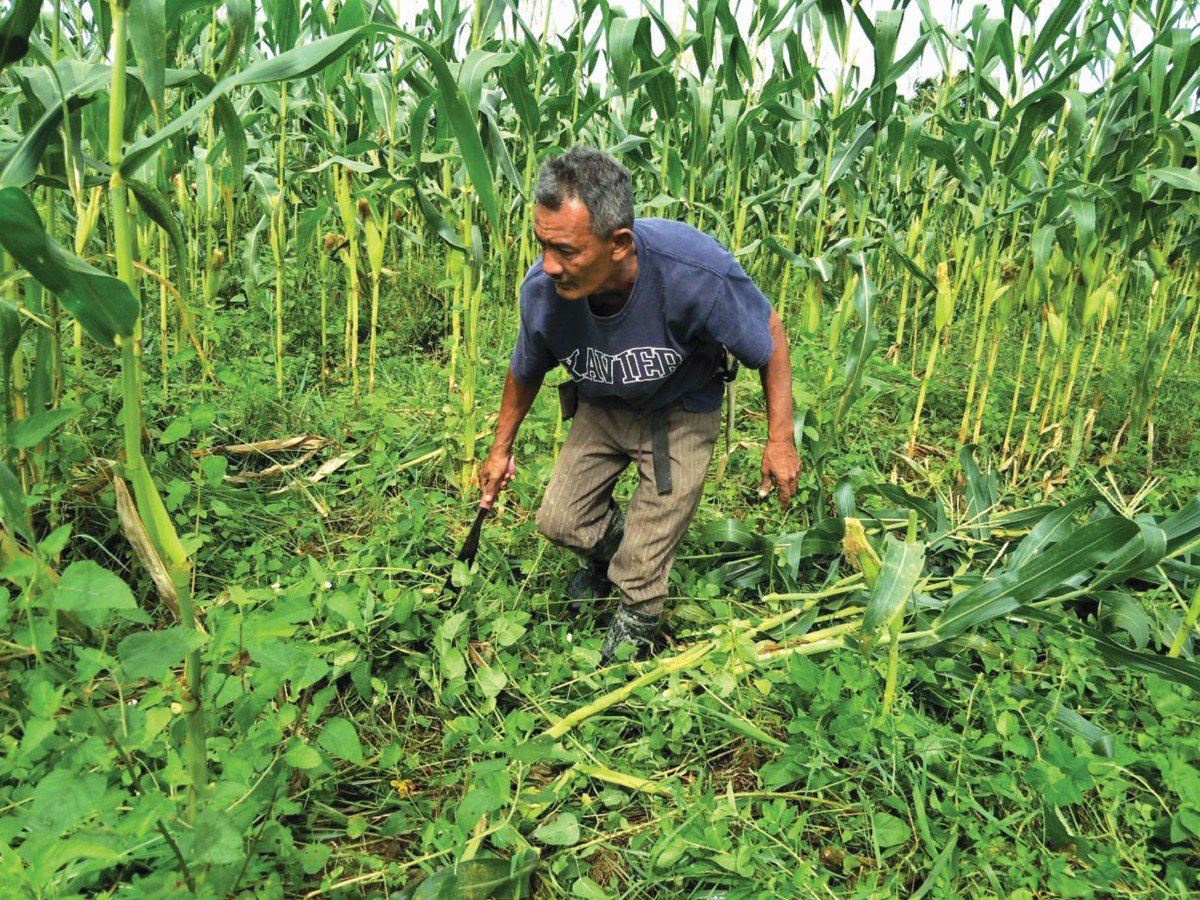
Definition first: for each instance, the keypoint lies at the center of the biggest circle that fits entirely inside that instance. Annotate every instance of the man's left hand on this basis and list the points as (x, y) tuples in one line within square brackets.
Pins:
[(781, 465)]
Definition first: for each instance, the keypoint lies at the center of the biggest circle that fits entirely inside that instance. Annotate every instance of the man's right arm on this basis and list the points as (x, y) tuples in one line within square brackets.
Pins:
[(514, 404)]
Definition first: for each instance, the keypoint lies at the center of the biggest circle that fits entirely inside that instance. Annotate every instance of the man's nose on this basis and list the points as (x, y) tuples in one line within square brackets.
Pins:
[(551, 264)]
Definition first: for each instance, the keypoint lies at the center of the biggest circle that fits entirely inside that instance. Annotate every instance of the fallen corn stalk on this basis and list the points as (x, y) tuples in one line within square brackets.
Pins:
[(629, 782), (697, 652)]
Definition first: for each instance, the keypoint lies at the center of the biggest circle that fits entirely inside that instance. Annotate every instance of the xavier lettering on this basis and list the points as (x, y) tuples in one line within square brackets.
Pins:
[(633, 366)]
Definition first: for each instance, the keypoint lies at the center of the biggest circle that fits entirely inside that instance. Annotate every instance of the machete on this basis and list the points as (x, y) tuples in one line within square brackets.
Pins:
[(471, 545)]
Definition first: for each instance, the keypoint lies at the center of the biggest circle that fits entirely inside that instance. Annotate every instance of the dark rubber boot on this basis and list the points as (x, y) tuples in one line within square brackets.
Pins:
[(629, 627), (591, 582)]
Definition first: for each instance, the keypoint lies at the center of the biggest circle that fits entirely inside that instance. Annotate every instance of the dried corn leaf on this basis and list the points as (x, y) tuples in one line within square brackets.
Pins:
[(327, 468), (297, 443), (135, 533), (271, 471)]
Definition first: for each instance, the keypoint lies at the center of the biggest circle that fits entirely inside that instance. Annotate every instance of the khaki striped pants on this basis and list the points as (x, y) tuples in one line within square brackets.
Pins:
[(578, 503)]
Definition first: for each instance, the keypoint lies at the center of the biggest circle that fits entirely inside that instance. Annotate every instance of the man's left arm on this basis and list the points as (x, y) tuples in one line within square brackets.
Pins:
[(780, 463)]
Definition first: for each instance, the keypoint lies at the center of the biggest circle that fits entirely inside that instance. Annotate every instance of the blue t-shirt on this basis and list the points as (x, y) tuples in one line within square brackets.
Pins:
[(691, 298)]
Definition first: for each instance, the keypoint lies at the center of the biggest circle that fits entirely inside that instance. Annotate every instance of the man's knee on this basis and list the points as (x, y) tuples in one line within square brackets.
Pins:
[(598, 537), (555, 527)]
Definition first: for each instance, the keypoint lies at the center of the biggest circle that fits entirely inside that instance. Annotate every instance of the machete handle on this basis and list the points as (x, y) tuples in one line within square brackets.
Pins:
[(509, 474)]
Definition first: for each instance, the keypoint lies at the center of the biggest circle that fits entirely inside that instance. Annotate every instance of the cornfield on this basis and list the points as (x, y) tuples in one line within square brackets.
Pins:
[(227, 672)]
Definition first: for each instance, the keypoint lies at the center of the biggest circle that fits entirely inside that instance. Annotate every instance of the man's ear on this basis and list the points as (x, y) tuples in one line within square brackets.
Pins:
[(622, 240)]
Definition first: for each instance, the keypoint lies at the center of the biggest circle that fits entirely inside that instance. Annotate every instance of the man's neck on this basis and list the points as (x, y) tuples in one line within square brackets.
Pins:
[(609, 302)]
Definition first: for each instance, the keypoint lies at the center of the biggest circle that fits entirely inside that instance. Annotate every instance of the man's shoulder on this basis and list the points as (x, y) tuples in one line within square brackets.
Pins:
[(535, 284), (682, 244)]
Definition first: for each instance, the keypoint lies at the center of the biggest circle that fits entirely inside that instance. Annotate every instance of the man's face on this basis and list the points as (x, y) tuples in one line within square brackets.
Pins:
[(579, 262)]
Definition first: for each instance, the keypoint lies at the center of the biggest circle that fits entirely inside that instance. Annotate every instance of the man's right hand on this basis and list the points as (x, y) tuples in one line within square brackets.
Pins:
[(494, 475)]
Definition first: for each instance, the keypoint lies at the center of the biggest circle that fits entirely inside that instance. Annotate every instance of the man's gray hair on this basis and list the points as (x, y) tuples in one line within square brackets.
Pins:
[(596, 179)]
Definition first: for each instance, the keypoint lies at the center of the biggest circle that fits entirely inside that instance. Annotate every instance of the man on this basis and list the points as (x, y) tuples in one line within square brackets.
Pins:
[(641, 314)]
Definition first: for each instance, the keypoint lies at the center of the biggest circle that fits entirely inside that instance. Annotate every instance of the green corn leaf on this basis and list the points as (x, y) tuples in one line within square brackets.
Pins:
[(1120, 611), (1147, 551), (1052, 528), (462, 124), (981, 492), (10, 336), (1051, 30), (623, 32), (1076, 115), (236, 146), (1185, 672), (705, 13), (435, 219), (1148, 371), (240, 16), (834, 12), (742, 726), (497, 147), (942, 152), (299, 62), (1173, 176), (1072, 557), (516, 83), (104, 305), (933, 26), (474, 71), (908, 262), (823, 539), (354, 165), (147, 22), (931, 514), (665, 31), (15, 30), (887, 31), (863, 342), (730, 532), (1183, 526), (848, 155), (21, 164), (1033, 117), (902, 566), (160, 211), (663, 93), (418, 124), (843, 498), (281, 23), (1084, 211)]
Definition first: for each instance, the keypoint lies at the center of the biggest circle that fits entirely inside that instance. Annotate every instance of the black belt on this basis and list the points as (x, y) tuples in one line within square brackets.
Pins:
[(660, 444), (660, 434)]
